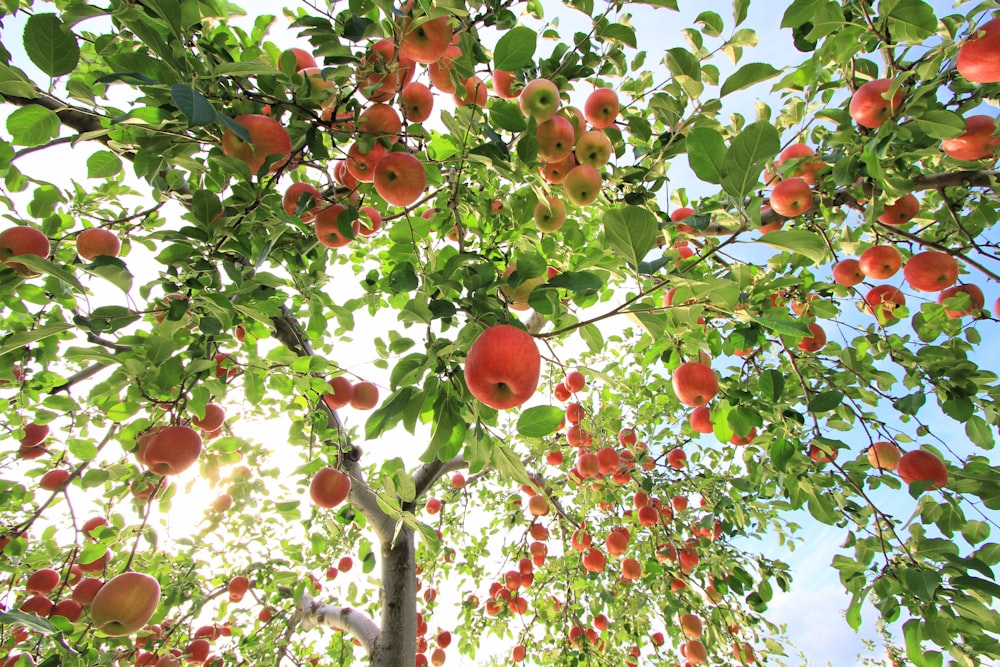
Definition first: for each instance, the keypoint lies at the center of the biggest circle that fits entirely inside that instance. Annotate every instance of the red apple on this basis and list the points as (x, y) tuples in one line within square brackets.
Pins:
[(383, 71), (503, 85), (304, 198), (215, 417), (125, 604), (374, 221), (979, 56), (85, 591), (303, 58), (869, 105), (555, 172), (22, 240), (884, 455), (700, 420), (791, 197), (237, 588), (694, 384), (900, 211), (343, 392), (555, 139), (677, 459), (382, 121), (582, 185), (847, 272), (921, 465), (327, 226), (502, 367), (931, 271), (329, 487), (417, 102), (53, 479), (690, 625), (540, 99), (471, 93), (880, 262), (426, 40), (95, 241), (440, 71), (694, 651), (173, 450), (601, 108), (267, 138), (807, 168), (976, 299), (594, 561), (362, 165), (42, 582), (400, 178), (365, 396), (882, 300), (978, 142)]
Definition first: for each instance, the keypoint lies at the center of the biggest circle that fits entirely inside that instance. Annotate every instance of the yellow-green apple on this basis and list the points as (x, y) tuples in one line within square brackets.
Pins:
[(426, 40), (575, 117), (582, 184), (267, 138), (172, 450), (880, 262), (400, 178), (125, 604), (417, 102), (502, 367), (539, 99), (374, 219), (362, 165), (979, 56), (517, 295), (806, 169), (847, 272), (921, 465), (976, 301), (550, 214), (931, 271), (690, 625), (977, 143), (95, 241), (593, 148), (555, 139), (22, 240), (900, 211), (791, 197), (601, 108), (327, 226), (382, 121), (329, 487), (555, 172), (694, 384), (870, 106), (304, 198), (503, 85), (472, 93), (882, 300), (883, 455), (814, 342), (365, 396), (439, 72)]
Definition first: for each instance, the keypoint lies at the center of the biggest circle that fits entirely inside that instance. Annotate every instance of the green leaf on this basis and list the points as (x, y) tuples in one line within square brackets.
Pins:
[(507, 116), (13, 82), (781, 452), (827, 400), (103, 164), (32, 125), (198, 110), (205, 206), (911, 634), (975, 532), (390, 412), (854, 611), (979, 432), (747, 76), (18, 340), (508, 464), (631, 231), (800, 241), (30, 621), (941, 124), (794, 328), (772, 385), (539, 421), (51, 45), (668, 4), (113, 270), (706, 150), (748, 153), (908, 20), (515, 49), (243, 69), (617, 32), (967, 581), (576, 281)]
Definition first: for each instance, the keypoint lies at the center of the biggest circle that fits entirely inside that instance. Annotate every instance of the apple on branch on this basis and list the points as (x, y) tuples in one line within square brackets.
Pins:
[(502, 367)]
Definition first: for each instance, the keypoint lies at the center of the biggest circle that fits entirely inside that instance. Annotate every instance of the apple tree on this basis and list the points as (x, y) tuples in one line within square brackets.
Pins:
[(493, 331)]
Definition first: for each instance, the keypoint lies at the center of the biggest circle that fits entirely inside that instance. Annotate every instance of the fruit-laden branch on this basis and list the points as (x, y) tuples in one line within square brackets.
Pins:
[(312, 614)]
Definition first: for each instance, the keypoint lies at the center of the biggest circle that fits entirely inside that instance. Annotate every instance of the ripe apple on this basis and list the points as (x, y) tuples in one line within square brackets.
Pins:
[(979, 56), (382, 121), (362, 165), (931, 271), (22, 240), (426, 40), (882, 300), (555, 172), (383, 71), (631, 569), (550, 214), (593, 148), (582, 184), (883, 455), (85, 591), (538, 505), (365, 396), (417, 102), (921, 465), (900, 211), (880, 262), (807, 168), (976, 300), (700, 420), (42, 582), (978, 142), (215, 417), (555, 139), (343, 392), (267, 138), (601, 108), (237, 588), (303, 58), (471, 93), (95, 241), (503, 85), (328, 230), (53, 479), (374, 221), (400, 178), (329, 487), (588, 466), (869, 105), (694, 384), (594, 561), (791, 197), (743, 652), (540, 99), (173, 450), (92, 524), (822, 454), (694, 652), (847, 272), (690, 625), (197, 651), (304, 198), (502, 367), (440, 71), (37, 604), (125, 603), (677, 459)]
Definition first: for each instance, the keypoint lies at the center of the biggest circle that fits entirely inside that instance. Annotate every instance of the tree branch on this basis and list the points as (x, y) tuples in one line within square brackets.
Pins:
[(428, 473), (345, 619)]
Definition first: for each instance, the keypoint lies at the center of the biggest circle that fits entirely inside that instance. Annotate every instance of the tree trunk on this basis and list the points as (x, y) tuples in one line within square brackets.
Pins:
[(397, 642)]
